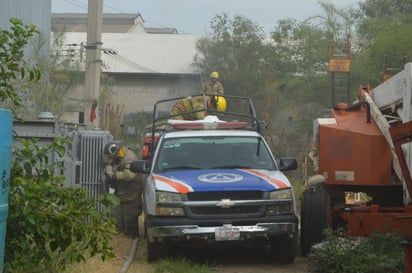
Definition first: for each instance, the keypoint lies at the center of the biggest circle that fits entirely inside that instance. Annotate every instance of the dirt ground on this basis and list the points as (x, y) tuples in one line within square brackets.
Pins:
[(237, 260)]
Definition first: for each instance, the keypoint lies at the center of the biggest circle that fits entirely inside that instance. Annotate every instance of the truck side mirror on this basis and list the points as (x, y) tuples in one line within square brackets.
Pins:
[(287, 164), (139, 166)]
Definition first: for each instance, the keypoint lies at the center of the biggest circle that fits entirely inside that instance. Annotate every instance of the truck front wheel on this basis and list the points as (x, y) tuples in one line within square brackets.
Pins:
[(315, 214)]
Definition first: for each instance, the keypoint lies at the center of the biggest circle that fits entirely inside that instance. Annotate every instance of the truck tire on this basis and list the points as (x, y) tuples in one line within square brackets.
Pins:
[(284, 249), (155, 251), (315, 214)]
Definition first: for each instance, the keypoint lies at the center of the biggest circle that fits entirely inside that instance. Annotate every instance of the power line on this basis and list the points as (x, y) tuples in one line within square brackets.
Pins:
[(85, 6), (112, 8), (77, 4), (115, 55)]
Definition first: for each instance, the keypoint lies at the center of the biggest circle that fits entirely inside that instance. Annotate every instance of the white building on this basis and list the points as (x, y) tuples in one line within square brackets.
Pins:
[(146, 64)]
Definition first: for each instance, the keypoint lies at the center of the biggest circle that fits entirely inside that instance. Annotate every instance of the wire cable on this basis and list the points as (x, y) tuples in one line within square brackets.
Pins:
[(115, 55), (77, 4)]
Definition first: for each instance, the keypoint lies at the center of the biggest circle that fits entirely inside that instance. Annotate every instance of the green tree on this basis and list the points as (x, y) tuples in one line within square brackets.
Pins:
[(382, 34), (13, 68), (235, 48), (299, 47), (239, 50)]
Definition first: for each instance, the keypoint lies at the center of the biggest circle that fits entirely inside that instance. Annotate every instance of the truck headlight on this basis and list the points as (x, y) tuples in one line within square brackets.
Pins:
[(281, 194), (284, 207), (162, 196), (164, 210)]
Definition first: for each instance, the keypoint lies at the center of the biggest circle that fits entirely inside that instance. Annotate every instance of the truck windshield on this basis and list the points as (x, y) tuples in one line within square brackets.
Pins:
[(213, 153)]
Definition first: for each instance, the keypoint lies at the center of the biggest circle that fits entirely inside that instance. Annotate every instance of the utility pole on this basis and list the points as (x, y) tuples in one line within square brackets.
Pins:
[(93, 63)]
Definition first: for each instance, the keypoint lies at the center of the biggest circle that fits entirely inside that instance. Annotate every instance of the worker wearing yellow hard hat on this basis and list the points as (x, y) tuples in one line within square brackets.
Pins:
[(214, 86), (191, 108)]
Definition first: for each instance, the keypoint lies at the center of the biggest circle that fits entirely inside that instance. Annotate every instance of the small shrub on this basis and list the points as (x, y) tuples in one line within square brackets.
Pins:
[(379, 253), (50, 226)]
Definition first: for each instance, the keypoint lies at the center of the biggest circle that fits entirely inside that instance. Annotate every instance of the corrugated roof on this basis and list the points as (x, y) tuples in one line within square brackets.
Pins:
[(144, 53)]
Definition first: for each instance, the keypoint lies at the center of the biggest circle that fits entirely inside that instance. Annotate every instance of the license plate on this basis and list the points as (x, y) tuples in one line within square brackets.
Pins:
[(227, 233)]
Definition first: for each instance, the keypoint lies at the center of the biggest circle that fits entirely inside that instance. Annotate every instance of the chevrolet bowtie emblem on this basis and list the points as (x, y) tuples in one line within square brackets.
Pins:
[(225, 203)]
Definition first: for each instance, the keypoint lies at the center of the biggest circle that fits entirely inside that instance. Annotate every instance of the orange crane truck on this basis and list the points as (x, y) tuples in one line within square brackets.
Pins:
[(362, 149)]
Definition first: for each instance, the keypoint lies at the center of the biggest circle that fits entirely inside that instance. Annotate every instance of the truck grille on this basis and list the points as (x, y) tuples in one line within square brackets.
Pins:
[(219, 195), (225, 211), (251, 210)]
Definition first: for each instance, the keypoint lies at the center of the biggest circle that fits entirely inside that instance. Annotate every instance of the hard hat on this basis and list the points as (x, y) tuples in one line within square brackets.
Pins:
[(112, 148), (220, 104), (214, 75)]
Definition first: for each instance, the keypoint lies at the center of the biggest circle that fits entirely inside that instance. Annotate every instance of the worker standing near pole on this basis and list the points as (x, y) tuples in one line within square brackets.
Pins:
[(214, 86)]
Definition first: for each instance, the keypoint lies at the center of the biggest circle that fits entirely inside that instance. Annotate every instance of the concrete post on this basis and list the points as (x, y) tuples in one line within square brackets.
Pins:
[(93, 64)]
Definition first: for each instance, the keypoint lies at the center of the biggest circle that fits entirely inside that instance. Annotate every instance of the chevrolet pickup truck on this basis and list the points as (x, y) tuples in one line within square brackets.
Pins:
[(216, 181)]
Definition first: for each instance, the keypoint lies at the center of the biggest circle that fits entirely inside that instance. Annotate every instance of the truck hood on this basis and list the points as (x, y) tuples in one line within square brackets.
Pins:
[(220, 179)]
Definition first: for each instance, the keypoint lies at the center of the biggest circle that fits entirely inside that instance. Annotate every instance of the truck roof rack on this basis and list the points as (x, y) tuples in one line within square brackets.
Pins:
[(240, 114), (239, 109)]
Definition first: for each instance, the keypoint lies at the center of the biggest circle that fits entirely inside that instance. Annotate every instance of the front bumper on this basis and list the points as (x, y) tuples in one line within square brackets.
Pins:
[(244, 232)]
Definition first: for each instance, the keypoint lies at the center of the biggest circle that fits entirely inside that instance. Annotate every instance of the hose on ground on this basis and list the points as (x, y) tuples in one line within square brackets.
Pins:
[(131, 257)]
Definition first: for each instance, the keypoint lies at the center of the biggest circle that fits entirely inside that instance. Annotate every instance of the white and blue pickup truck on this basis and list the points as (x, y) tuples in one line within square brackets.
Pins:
[(216, 181)]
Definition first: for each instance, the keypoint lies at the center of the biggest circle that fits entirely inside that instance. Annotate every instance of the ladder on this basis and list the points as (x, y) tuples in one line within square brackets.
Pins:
[(339, 67)]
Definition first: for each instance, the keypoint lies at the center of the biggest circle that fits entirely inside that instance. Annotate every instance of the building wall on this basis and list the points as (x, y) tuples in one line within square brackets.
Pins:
[(138, 93), (37, 12)]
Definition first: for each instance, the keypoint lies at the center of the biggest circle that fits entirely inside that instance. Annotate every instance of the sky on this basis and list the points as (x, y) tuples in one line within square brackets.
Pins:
[(194, 16)]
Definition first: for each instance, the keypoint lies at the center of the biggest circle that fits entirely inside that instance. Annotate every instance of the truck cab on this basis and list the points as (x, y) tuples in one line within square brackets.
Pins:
[(216, 181)]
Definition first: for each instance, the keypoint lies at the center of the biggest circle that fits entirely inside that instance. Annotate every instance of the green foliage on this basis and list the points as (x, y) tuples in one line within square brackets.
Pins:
[(299, 48), (375, 254), (12, 65), (50, 226), (236, 48), (137, 122), (382, 38), (180, 266)]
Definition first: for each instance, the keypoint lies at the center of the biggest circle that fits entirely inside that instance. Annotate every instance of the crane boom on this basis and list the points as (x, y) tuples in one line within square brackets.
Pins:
[(394, 96)]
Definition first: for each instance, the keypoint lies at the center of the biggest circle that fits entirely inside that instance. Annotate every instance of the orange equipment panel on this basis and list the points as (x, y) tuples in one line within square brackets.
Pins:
[(353, 151)]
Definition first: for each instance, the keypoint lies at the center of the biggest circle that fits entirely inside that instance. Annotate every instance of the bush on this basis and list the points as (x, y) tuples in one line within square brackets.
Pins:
[(375, 254), (50, 226)]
